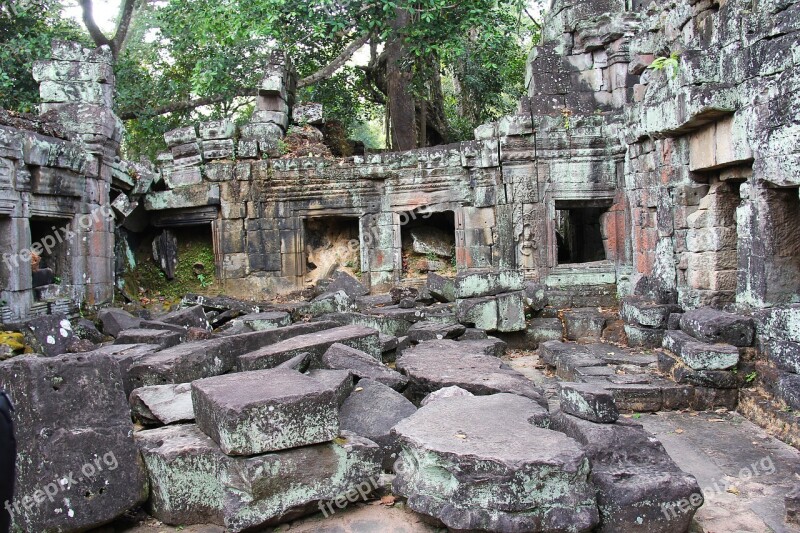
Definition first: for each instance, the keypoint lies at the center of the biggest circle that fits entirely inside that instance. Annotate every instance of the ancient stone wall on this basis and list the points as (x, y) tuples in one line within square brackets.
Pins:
[(56, 230)]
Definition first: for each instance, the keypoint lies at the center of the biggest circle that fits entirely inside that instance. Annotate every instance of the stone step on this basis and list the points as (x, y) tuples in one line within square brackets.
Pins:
[(589, 402), (642, 312), (315, 344), (713, 326), (700, 355), (251, 413)]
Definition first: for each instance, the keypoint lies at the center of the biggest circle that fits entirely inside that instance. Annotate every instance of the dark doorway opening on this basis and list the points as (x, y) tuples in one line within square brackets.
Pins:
[(428, 242), (579, 233), (50, 260), (331, 243)]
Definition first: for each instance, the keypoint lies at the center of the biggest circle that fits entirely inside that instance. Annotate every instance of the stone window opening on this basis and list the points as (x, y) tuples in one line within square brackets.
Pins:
[(49, 253), (579, 232), (428, 242), (331, 243)]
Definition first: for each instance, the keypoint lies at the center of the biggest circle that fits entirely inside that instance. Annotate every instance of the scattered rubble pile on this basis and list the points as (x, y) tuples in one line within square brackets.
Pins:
[(247, 414)]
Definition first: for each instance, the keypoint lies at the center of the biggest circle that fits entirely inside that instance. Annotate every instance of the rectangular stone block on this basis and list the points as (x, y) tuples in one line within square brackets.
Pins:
[(511, 311), (180, 136), (698, 355), (249, 413), (218, 149), (217, 129), (479, 312), (163, 338), (488, 283), (77, 92)]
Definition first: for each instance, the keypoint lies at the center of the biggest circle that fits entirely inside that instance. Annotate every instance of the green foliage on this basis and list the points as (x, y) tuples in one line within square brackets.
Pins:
[(26, 32), (670, 62), (751, 377)]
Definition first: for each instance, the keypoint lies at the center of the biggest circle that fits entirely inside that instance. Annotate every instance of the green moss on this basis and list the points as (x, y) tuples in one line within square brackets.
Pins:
[(195, 271)]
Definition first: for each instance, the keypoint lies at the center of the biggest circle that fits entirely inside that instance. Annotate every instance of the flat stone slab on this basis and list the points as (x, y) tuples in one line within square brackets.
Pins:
[(249, 413), (638, 484), (362, 365), (371, 411), (429, 330), (434, 365), (589, 402), (188, 317), (480, 463), (441, 394), (193, 482), (267, 320), (201, 359), (162, 404), (713, 326), (700, 355), (161, 337), (315, 344)]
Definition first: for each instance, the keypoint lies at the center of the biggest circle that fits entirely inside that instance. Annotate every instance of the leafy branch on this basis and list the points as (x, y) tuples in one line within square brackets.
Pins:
[(670, 62)]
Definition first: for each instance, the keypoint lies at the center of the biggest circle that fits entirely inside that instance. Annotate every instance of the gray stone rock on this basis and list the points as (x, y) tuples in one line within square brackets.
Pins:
[(711, 325), (459, 465), (446, 392), (785, 354), (80, 346), (488, 283), (642, 312), (371, 411), (86, 329), (267, 320), (48, 335), (161, 337), (792, 505), (342, 281), (249, 413), (193, 482), (480, 313), (638, 484), (362, 366), (115, 320), (190, 317), (341, 382), (510, 312), (535, 296), (641, 337), (473, 334), (700, 355), (429, 330), (434, 365), (432, 240), (162, 404), (316, 344), (441, 288), (589, 402), (71, 412), (584, 324), (488, 346), (541, 330)]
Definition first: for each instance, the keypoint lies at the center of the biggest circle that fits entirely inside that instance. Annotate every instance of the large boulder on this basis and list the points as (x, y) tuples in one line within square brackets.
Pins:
[(371, 411), (193, 482), (77, 464), (48, 335), (481, 463)]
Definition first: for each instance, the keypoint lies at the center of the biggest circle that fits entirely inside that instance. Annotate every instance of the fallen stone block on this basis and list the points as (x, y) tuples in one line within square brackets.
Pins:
[(434, 365), (250, 413), (641, 312), (48, 335), (190, 317), (441, 288), (551, 351), (541, 330), (115, 320), (371, 411), (473, 334), (316, 344), (193, 482), (386, 325), (480, 284), (488, 346), (441, 394), (157, 324), (480, 313), (459, 466), (362, 366), (162, 404), (641, 337), (267, 320), (510, 311), (713, 326), (342, 281), (125, 355), (71, 417), (675, 368), (161, 337), (427, 330), (388, 342), (86, 329), (637, 397), (589, 402), (584, 324), (700, 355), (190, 361), (535, 296), (638, 484)]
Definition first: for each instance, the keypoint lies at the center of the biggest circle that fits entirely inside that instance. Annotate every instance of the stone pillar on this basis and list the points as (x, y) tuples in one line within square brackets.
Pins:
[(77, 87)]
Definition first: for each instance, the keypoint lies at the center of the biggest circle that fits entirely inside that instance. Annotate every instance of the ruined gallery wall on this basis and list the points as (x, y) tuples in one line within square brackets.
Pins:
[(54, 189)]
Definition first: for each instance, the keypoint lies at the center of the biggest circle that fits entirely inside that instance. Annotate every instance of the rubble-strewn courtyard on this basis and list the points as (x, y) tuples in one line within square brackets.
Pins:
[(586, 318)]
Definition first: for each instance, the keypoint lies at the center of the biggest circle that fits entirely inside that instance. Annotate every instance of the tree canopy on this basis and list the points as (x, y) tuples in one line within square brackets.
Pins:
[(435, 68)]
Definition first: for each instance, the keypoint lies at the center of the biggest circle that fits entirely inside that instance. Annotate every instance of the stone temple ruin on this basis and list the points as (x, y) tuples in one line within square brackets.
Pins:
[(634, 226)]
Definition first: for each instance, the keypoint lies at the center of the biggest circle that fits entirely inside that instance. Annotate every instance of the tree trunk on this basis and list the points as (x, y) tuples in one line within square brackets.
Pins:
[(398, 88)]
